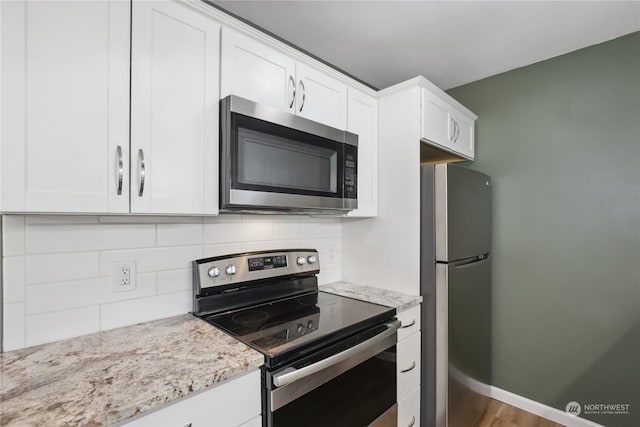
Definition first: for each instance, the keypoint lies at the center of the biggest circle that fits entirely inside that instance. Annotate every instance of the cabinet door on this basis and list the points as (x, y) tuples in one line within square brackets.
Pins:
[(362, 119), (255, 71), (65, 106), (436, 124), (320, 98), (233, 403), (174, 109), (408, 364), (409, 410), (463, 141)]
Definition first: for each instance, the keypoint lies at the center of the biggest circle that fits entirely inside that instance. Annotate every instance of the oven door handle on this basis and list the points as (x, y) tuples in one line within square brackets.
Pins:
[(291, 375)]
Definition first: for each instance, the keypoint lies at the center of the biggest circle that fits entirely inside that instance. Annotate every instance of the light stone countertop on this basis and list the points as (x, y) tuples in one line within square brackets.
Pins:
[(400, 301), (108, 377)]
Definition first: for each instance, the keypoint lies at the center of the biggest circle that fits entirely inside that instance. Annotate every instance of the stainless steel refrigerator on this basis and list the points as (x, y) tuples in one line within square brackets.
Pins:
[(455, 282)]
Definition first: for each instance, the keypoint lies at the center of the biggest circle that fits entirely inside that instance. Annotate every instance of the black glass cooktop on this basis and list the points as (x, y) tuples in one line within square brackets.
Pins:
[(299, 322)]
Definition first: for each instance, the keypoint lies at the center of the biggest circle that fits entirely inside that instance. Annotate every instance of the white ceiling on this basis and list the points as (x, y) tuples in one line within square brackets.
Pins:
[(449, 42)]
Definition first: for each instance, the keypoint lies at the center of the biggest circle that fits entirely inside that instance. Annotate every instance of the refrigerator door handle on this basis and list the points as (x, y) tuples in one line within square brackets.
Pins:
[(471, 260)]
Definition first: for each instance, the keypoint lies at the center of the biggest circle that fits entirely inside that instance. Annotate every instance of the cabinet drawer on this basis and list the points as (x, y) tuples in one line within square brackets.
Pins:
[(409, 409), (408, 364), (410, 322)]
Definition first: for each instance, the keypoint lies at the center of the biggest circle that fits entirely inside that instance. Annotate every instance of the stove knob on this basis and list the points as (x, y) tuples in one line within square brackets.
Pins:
[(300, 328), (230, 270), (301, 260), (214, 272), (312, 259), (310, 324)]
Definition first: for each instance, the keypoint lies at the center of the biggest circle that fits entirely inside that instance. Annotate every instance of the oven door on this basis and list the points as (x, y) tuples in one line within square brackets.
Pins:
[(353, 388), (275, 160)]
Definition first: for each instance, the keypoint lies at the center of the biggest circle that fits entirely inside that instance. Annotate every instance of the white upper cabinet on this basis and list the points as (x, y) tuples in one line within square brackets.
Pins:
[(362, 119), (65, 106), (255, 71), (443, 124), (66, 117), (320, 98), (174, 109), (261, 73)]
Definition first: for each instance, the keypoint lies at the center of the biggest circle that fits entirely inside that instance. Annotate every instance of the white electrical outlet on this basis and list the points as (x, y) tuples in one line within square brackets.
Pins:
[(124, 276), (331, 253)]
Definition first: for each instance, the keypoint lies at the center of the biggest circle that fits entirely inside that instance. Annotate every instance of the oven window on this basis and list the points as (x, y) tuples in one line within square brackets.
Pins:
[(273, 161), (355, 398)]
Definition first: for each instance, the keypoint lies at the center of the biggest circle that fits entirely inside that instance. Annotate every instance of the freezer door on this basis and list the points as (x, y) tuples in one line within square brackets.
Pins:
[(469, 340), (463, 213)]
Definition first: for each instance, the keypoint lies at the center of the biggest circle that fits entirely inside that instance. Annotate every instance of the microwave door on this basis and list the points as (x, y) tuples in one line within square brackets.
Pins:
[(267, 165)]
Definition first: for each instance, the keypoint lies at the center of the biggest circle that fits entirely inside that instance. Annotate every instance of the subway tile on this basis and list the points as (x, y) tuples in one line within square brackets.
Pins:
[(131, 219), (175, 281), (152, 259), (222, 218), (49, 268), (237, 232), (320, 229), (223, 249), (330, 274), (13, 326), (180, 234), (59, 325), (286, 230), (12, 235), (82, 237), (13, 279), (60, 219), (270, 218), (46, 298), (271, 245), (139, 310)]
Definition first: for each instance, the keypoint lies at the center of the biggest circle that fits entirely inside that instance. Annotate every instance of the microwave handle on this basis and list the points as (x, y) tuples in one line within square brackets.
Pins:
[(290, 375)]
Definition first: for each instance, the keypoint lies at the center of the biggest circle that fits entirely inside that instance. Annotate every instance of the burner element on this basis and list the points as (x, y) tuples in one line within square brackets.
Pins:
[(250, 318)]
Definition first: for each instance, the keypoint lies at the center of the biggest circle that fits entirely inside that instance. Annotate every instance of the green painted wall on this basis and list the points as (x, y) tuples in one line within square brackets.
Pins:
[(561, 140)]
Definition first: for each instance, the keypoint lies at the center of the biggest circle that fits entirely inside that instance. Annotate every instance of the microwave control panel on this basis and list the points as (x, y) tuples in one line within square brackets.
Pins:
[(350, 172)]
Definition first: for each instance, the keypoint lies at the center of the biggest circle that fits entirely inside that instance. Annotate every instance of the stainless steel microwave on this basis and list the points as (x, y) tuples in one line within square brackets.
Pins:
[(274, 161)]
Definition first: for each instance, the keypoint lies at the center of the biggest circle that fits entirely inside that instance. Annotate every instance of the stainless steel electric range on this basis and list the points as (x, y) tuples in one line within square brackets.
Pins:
[(329, 360)]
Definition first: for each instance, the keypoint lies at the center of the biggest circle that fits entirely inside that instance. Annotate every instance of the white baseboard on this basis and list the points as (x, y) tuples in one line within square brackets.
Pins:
[(537, 408), (544, 411)]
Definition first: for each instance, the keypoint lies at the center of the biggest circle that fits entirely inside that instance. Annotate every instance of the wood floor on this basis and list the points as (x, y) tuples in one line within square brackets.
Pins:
[(499, 414)]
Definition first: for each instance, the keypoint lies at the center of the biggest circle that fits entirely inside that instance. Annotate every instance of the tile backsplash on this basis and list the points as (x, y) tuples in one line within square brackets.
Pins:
[(58, 270)]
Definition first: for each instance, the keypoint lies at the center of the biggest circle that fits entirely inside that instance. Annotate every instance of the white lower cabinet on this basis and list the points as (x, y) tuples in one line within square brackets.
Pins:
[(409, 409), (234, 403), (408, 368)]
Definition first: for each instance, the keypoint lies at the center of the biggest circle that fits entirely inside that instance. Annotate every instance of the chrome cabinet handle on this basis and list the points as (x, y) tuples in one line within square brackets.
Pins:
[(413, 421), (188, 425), (141, 173), (413, 322), (410, 368), (453, 129), (293, 96), (120, 170), (457, 131), (304, 94)]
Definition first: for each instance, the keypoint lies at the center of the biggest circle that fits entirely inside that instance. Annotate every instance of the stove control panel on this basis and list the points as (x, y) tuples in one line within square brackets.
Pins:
[(238, 268)]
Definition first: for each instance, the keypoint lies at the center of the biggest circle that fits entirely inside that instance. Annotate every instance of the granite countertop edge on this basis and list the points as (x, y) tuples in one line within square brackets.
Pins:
[(399, 300), (113, 376)]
